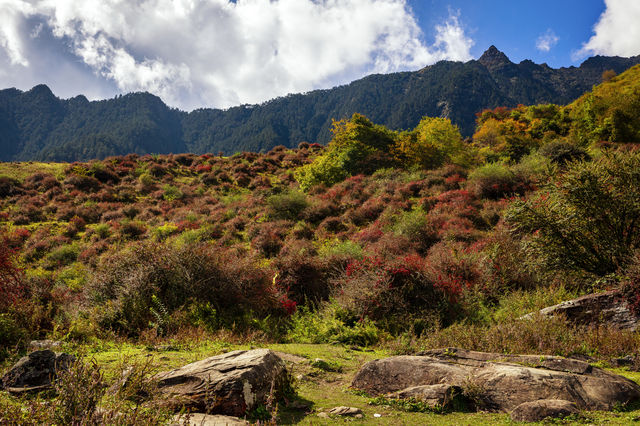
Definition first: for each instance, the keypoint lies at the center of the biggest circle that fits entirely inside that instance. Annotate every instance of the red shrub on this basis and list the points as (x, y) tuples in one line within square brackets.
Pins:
[(11, 288)]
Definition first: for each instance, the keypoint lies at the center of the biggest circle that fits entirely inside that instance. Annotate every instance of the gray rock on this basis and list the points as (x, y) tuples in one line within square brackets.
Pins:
[(36, 371), (593, 309), (232, 384), (38, 345), (345, 411), (499, 382), (199, 419), (536, 411)]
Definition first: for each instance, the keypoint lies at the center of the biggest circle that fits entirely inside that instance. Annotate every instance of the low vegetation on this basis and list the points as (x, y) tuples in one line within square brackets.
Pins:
[(397, 240)]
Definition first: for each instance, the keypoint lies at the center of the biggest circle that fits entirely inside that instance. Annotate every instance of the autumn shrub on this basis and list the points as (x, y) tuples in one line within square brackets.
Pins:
[(287, 205), (496, 180), (130, 229), (561, 152), (11, 287), (392, 292), (332, 225), (41, 181), (9, 186), (125, 284), (104, 175), (82, 182), (268, 238), (415, 226), (318, 210), (302, 273), (76, 224)]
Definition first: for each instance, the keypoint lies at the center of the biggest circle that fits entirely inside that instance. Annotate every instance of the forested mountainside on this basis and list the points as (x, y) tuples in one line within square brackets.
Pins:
[(36, 125)]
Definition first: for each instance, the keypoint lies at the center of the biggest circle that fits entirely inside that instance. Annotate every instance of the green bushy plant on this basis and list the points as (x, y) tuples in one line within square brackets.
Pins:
[(589, 220)]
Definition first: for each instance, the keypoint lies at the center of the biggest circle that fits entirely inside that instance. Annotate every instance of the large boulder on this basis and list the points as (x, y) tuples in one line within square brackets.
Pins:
[(233, 383), (593, 309), (36, 371), (500, 382)]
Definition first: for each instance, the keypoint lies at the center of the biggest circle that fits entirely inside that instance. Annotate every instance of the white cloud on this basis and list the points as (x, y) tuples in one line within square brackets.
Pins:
[(546, 41), (10, 39), (617, 31), (220, 53)]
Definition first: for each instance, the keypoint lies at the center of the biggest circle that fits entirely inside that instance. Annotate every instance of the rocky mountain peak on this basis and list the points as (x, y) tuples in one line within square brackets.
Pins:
[(493, 58)]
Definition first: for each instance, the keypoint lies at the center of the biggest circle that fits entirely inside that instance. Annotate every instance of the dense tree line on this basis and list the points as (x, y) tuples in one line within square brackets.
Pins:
[(36, 125)]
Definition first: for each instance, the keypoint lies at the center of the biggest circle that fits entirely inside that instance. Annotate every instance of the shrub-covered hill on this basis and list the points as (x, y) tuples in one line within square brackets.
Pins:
[(36, 125), (381, 233)]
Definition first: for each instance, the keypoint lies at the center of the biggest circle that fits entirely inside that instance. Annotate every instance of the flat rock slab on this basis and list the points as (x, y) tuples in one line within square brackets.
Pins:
[(35, 371), (199, 419), (500, 382), (232, 384), (593, 309), (536, 411)]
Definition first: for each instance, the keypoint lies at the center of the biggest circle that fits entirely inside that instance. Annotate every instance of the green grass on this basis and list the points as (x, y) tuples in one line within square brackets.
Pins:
[(20, 171)]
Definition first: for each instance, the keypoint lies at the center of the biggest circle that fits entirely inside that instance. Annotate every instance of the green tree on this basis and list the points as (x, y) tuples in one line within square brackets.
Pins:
[(358, 146), (590, 219), (433, 142)]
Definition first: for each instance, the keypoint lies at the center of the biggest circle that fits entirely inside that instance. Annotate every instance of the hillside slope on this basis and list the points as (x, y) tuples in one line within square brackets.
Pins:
[(36, 125)]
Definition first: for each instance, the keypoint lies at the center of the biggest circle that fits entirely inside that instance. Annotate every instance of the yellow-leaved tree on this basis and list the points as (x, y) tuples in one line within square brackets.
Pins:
[(433, 142)]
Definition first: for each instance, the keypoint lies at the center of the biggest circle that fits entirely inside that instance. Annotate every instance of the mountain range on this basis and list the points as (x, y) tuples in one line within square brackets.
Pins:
[(37, 125)]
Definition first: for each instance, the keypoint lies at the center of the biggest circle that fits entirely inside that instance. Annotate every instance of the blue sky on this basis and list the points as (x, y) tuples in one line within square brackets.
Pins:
[(221, 53), (514, 26)]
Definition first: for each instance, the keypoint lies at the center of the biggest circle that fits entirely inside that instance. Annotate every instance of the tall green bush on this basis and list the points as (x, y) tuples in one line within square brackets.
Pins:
[(589, 220)]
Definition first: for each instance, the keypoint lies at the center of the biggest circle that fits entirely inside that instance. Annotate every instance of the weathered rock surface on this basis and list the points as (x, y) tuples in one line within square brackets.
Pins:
[(593, 309), (345, 411), (38, 345), (500, 382), (536, 411), (199, 419), (232, 384), (440, 395), (36, 371)]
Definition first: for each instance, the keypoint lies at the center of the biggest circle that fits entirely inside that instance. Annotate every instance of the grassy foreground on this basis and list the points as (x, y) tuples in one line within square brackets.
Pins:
[(319, 386)]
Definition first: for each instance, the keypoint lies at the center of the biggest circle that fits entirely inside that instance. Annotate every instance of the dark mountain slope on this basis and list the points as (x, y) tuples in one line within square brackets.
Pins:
[(37, 125)]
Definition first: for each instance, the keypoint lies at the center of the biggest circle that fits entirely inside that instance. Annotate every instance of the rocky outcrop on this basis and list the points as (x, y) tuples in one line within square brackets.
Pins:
[(36, 371), (594, 309), (536, 411), (233, 383), (500, 382)]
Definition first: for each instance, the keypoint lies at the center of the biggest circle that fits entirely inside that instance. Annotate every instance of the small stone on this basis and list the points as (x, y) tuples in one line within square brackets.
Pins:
[(358, 416), (323, 415), (38, 345), (376, 415), (345, 411)]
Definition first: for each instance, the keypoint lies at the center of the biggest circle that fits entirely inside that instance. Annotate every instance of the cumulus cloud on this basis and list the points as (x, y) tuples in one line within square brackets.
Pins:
[(220, 53), (546, 41), (617, 31)]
